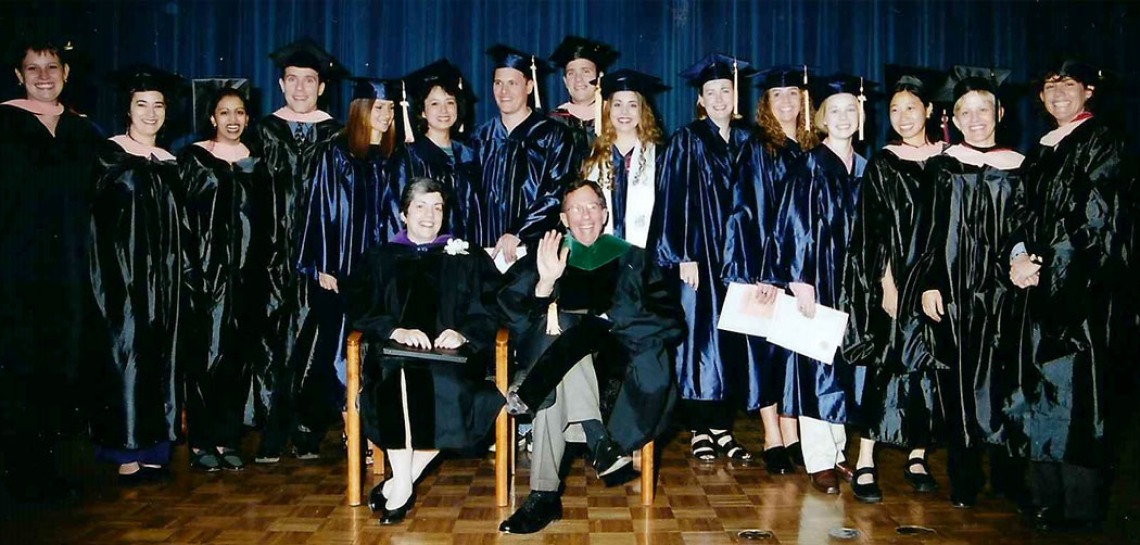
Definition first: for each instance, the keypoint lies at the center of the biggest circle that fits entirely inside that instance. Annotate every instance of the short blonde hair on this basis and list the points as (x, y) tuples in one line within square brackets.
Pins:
[(981, 92)]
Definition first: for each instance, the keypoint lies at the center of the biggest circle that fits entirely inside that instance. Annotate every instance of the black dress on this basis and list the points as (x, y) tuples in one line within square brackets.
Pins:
[(450, 405)]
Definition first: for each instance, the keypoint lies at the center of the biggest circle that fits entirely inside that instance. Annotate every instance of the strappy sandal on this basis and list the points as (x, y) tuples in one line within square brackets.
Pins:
[(726, 444), (702, 446), (919, 481), (205, 460)]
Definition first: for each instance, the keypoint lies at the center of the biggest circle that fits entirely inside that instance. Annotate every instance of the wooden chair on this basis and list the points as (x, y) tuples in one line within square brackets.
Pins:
[(504, 432)]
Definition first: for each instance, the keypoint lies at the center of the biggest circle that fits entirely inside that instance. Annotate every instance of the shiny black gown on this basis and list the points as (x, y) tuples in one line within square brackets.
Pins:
[(45, 215), (523, 175), (625, 312), (582, 130), (458, 171), (899, 403), (809, 245), (1080, 336), (284, 395), (136, 270), (961, 238), (756, 198), (691, 213), (450, 405), (212, 342)]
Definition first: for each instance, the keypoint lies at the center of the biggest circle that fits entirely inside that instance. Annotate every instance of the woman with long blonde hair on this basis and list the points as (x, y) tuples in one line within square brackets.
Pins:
[(623, 157)]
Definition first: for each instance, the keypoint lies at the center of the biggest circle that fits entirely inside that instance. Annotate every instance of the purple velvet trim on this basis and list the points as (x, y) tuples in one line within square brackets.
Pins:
[(402, 238)]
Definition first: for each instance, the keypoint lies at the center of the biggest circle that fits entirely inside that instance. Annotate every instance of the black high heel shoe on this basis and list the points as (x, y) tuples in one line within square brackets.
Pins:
[(397, 515), (376, 498)]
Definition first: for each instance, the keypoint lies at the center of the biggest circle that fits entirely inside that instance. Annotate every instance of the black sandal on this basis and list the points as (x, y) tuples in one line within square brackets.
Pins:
[(726, 444), (870, 492), (919, 481), (702, 446)]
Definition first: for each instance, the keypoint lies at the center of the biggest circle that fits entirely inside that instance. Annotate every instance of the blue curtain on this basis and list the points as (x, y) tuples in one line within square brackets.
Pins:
[(199, 38)]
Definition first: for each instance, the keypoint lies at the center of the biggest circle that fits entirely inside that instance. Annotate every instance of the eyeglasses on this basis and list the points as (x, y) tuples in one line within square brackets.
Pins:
[(589, 208)]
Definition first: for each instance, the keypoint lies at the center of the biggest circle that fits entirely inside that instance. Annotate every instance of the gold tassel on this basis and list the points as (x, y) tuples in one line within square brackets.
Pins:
[(598, 105), (409, 137), (735, 92), (552, 327), (862, 114), (807, 103), (534, 78), (461, 125)]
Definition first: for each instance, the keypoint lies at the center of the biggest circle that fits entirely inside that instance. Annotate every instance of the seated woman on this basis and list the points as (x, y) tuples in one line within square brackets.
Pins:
[(423, 290)]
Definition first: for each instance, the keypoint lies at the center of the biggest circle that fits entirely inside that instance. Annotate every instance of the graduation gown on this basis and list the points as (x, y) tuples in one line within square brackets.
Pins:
[(809, 245), (613, 302), (136, 270), (961, 238), (44, 228), (899, 401), (523, 174), (459, 172), (212, 343), (756, 196), (629, 186), (1079, 328), (582, 130), (694, 202), (450, 405), (282, 300)]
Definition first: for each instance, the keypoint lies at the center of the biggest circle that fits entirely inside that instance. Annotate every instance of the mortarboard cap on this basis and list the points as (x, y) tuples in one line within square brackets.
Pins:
[(141, 77), (717, 66), (204, 91), (786, 75), (305, 53), (923, 82), (963, 79), (1083, 72), (574, 47), (532, 67), (376, 89), (849, 84), (631, 80)]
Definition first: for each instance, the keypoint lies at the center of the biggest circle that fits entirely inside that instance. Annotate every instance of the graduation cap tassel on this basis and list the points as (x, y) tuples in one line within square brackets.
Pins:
[(409, 136), (945, 127), (598, 105), (862, 108), (461, 124), (552, 327), (534, 78), (807, 103), (735, 86)]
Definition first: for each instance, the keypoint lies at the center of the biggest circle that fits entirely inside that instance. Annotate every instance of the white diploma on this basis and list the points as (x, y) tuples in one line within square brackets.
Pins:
[(742, 314), (501, 260), (817, 338)]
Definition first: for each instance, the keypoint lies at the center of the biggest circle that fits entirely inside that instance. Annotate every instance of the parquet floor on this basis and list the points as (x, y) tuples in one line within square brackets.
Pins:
[(298, 502)]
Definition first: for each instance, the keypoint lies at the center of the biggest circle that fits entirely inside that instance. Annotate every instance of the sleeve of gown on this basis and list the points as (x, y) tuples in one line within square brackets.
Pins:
[(931, 234), (559, 165), (659, 319), (321, 243), (793, 239), (517, 303), (865, 268), (366, 301), (669, 233), (744, 237), (196, 215)]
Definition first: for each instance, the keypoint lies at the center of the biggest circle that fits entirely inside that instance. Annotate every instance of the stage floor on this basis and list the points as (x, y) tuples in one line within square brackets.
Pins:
[(297, 502)]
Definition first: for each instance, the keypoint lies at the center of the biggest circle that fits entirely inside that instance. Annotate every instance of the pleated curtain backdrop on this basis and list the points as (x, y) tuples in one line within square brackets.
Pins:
[(200, 38)]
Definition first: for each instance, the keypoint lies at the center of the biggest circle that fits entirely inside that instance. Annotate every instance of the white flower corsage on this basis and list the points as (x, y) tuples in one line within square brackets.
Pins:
[(456, 246)]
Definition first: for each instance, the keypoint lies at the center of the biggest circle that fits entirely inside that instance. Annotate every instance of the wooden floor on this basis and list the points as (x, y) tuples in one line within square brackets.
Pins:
[(298, 502)]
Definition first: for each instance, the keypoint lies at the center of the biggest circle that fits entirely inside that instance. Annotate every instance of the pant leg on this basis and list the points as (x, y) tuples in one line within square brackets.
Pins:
[(818, 440), (1082, 488), (1045, 484), (964, 468), (576, 400)]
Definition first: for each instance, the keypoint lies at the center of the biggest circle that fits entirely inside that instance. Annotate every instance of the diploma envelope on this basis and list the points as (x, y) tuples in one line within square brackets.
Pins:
[(397, 350), (501, 262), (817, 338), (742, 314)]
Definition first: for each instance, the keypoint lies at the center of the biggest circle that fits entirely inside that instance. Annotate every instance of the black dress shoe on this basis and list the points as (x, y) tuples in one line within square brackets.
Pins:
[(397, 515), (962, 500), (920, 482), (611, 464), (796, 453), (870, 492), (537, 512), (1052, 519), (376, 498), (777, 461)]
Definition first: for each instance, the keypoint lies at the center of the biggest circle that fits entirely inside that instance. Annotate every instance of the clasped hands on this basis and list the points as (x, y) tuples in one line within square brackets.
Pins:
[(449, 339), (1025, 270)]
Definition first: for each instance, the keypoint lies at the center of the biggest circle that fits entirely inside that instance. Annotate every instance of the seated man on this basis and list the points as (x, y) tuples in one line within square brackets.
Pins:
[(576, 298)]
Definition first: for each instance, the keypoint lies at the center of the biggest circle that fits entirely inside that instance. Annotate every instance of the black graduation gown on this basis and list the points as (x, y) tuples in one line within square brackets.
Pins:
[(450, 405), (809, 245), (642, 324), (136, 270), (523, 175), (279, 300), (459, 172), (691, 212), (961, 238), (580, 129), (756, 196), (1079, 334), (899, 402), (212, 341), (45, 192)]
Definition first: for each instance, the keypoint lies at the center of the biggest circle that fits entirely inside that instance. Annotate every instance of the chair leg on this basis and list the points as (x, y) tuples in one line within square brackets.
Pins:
[(648, 485), (352, 420)]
